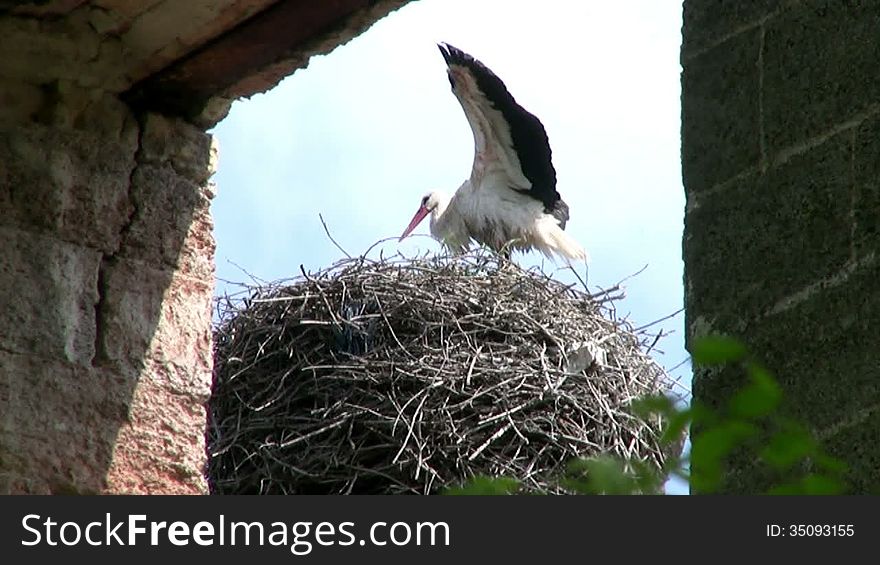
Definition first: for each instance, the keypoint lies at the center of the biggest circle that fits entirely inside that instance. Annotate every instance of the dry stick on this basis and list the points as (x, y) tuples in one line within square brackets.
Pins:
[(470, 372), (302, 438), (327, 231), (278, 299), (633, 275), (402, 408), (317, 285), (391, 327), (657, 321), (607, 292), (524, 439), (257, 281), (486, 443), (504, 414), (410, 425), (653, 343), (377, 243)]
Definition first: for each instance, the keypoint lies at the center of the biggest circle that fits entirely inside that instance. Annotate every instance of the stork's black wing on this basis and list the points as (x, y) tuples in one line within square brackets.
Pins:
[(504, 130)]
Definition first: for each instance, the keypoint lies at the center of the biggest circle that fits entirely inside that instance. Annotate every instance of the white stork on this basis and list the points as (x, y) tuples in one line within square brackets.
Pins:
[(510, 200)]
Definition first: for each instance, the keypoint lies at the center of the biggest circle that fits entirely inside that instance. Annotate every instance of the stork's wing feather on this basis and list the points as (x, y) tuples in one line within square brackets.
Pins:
[(504, 131)]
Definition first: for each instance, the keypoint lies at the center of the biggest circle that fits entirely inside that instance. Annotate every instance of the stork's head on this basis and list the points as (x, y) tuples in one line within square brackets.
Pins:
[(432, 203)]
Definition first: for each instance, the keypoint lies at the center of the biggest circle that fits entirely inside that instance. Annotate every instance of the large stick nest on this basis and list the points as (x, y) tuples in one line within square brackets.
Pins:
[(410, 375)]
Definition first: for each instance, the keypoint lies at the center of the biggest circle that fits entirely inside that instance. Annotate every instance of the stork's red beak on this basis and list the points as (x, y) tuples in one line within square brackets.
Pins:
[(420, 215)]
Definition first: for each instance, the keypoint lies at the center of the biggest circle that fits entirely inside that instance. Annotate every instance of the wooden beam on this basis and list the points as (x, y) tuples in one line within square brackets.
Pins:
[(41, 8), (226, 66)]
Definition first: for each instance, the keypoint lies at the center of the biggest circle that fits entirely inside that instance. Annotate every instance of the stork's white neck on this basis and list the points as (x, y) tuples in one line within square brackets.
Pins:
[(447, 225), (440, 200)]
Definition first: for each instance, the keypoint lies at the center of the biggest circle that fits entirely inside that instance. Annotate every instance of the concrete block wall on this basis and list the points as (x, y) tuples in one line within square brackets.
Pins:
[(106, 279), (781, 167)]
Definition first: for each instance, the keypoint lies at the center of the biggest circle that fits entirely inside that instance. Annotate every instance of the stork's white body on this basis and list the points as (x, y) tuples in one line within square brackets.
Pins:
[(500, 219), (510, 200)]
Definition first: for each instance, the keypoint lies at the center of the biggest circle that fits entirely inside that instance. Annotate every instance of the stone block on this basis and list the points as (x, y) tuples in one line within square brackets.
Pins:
[(162, 449), (769, 235), (196, 255), (820, 60), (866, 179), (824, 349), (181, 347), (129, 311), (58, 424), (160, 321), (823, 353), (156, 314), (156, 37), (856, 445), (68, 183), (720, 113), (67, 105), (67, 429), (19, 102), (172, 226), (185, 147), (41, 51), (709, 21), (49, 293), (172, 193)]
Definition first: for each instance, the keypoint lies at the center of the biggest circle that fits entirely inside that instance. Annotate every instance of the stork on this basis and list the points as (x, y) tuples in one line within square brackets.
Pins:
[(510, 200)]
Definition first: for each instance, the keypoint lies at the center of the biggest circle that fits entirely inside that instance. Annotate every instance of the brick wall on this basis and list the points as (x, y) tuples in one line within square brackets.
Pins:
[(781, 165)]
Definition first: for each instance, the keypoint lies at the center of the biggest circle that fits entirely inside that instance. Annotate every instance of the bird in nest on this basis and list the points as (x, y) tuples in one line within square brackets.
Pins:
[(510, 201)]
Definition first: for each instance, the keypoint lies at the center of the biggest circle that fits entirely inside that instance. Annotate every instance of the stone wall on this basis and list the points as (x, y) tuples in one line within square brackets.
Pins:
[(106, 274), (106, 246), (781, 164)]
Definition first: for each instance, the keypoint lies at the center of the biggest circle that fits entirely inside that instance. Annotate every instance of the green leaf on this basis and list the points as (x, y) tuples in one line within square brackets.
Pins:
[(675, 427), (717, 350), (758, 399), (658, 404), (701, 414), (829, 464), (648, 479), (707, 480), (711, 446), (576, 477), (789, 447), (787, 489), (822, 484), (486, 486), (811, 484), (602, 474)]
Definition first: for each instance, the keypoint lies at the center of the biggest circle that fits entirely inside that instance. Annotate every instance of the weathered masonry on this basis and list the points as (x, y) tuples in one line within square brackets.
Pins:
[(781, 161), (106, 247)]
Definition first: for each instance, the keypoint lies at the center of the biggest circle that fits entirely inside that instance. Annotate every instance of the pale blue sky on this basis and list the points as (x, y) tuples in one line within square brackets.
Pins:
[(362, 133)]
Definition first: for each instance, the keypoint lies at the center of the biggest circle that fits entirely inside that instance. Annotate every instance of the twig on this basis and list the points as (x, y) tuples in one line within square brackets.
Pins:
[(327, 231), (657, 321)]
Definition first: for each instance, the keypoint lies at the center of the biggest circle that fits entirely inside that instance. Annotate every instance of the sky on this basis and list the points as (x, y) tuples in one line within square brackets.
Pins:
[(361, 134)]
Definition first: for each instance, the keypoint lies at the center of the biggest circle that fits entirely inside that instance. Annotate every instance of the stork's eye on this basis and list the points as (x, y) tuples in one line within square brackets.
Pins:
[(425, 201)]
